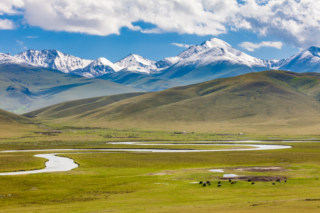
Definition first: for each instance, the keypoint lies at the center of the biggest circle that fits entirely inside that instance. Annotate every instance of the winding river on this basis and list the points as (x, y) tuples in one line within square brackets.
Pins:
[(61, 164)]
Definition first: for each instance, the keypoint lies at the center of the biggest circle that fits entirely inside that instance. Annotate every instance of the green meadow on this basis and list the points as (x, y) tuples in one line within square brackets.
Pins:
[(274, 108), (159, 182)]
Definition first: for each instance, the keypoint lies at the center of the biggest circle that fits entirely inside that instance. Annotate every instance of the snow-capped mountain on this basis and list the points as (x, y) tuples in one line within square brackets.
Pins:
[(136, 63), (212, 59), (53, 59), (167, 62), (97, 68), (215, 51), (306, 61), (8, 59)]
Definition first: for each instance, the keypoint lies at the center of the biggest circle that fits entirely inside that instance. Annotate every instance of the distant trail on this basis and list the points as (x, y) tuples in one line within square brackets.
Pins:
[(61, 164)]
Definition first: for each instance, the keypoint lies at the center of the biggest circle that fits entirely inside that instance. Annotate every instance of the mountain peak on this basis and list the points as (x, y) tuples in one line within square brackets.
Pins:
[(137, 63), (97, 68), (215, 46), (53, 59), (215, 43), (103, 61), (315, 51)]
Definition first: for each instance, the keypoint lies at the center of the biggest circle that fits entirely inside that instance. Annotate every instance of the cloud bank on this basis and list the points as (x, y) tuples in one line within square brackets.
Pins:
[(252, 46), (294, 21)]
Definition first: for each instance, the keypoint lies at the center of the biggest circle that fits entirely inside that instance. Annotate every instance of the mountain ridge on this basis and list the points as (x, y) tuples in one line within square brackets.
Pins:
[(208, 53)]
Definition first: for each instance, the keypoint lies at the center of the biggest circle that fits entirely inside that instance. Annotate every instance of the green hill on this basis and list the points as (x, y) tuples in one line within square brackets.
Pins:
[(264, 102), (12, 125), (8, 117)]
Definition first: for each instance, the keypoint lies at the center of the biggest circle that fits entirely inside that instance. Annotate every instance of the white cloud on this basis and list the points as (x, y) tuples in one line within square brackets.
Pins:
[(253, 46), (294, 21), (10, 6), (181, 45), (6, 24)]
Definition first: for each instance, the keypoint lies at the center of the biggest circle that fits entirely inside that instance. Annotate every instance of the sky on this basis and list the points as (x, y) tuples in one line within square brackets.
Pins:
[(155, 29)]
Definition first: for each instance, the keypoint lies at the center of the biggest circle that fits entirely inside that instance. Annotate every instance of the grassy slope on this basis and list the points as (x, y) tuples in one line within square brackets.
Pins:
[(265, 102), (12, 125)]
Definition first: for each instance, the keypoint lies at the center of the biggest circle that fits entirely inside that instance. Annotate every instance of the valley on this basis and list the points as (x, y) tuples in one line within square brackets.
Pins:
[(146, 106), (212, 129)]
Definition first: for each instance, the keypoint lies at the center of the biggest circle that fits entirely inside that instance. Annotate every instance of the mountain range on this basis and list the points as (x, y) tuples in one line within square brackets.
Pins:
[(215, 54), (39, 78)]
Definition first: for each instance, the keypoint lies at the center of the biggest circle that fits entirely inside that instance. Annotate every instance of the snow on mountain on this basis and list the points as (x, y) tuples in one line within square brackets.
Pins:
[(167, 62), (209, 53), (214, 51), (53, 59), (136, 63), (306, 61), (97, 68), (6, 59)]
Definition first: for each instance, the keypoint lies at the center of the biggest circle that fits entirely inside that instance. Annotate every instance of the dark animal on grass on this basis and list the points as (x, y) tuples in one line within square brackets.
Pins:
[(279, 180), (252, 183), (273, 183), (200, 182), (219, 185), (219, 182), (249, 180), (204, 184), (208, 181), (229, 180)]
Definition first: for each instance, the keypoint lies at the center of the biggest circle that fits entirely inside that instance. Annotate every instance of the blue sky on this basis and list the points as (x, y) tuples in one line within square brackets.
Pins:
[(114, 30)]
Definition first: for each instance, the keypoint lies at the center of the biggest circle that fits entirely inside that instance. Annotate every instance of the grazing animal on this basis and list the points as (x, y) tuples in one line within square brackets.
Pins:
[(229, 180), (252, 183), (204, 184), (208, 181), (273, 183), (279, 180), (285, 181), (219, 182), (249, 180), (233, 182), (219, 185), (200, 182)]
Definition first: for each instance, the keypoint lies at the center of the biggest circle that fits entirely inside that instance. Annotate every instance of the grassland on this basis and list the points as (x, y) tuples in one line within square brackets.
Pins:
[(157, 182)]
